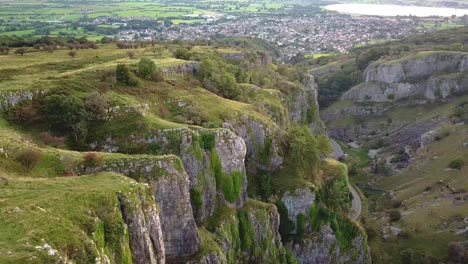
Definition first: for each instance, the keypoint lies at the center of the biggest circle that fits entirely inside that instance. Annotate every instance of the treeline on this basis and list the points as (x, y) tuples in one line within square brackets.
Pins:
[(14, 41)]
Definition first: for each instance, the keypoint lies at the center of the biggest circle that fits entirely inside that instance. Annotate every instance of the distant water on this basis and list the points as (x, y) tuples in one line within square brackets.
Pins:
[(396, 10)]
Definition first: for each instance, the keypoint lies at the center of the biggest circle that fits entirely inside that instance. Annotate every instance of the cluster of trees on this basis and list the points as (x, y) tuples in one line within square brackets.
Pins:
[(63, 113), (134, 44), (14, 41), (146, 69), (333, 85), (221, 77)]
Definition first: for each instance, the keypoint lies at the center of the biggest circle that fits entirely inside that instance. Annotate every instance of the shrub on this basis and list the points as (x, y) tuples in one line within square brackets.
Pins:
[(456, 164), (51, 140), (20, 51), (395, 215), (182, 53), (97, 106), (304, 156), (286, 225), (207, 140), (230, 185), (324, 145), (124, 76), (381, 167), (91, 160), (131, 54), (391, 97), (265, 185), (72, 53), (196, 198), (246, 230), (122, 73), (146, 68), (68, 162), (29, 159), (267, 151), (301, 226)]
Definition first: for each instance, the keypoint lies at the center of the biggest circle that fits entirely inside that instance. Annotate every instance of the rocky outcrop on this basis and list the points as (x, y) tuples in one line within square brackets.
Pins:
[(298, 202), (323, 248), (250, 235), (416, 67), (435, 87), (144, 229), (185, 69), (430, 75), (10, 99), (260, 138), (337, 153), (303, 105), (201, 151), (168, 182)]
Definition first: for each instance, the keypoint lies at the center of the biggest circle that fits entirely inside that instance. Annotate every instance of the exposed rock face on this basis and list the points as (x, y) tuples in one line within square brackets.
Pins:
[(211, 258), (144, 228), (261, 242), (337, 152), (197, 160), (324, 248), (303, 106), (436, 87), (431, 75), (189, 68), (169, 183), (256, 134), (419, 66), (179, 228), (298, 202), (10, 99)]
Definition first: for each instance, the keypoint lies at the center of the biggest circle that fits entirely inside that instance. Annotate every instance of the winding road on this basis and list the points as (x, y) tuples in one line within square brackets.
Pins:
[(356, 205)]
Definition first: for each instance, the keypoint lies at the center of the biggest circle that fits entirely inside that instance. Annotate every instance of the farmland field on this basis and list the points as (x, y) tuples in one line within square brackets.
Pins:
[(39, 17)]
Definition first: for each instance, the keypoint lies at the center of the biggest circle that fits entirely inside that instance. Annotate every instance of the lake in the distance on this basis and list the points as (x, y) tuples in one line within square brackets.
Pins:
[(396, 10)]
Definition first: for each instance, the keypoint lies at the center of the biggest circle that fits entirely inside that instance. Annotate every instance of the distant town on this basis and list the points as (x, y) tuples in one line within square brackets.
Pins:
[(323, 32)]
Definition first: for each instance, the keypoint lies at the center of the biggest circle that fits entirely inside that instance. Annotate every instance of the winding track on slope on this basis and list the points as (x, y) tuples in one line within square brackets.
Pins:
[(356, 204)]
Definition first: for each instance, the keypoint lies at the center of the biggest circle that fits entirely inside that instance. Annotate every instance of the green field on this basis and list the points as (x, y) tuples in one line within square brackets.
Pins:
[(40, 17)]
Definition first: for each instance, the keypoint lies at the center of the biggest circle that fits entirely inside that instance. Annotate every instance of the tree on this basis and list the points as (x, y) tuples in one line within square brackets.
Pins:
[(146, 68), (29, 159), (96, 105), (182, 53), (63, 112), (72, 53), (122, 74), (304, 154), (20, 51)]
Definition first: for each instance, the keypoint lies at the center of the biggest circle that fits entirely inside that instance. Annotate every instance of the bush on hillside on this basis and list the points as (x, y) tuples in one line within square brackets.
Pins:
[(456, 164), (124, 76), (146, 68), (182, 53), (29, 159), (219, 77), (91, 160), (395, 215), (304, 156), (51, 140)]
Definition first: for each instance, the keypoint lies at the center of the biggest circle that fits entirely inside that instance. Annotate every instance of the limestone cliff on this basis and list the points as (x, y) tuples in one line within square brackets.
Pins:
[(168, 182), (430, 75)]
